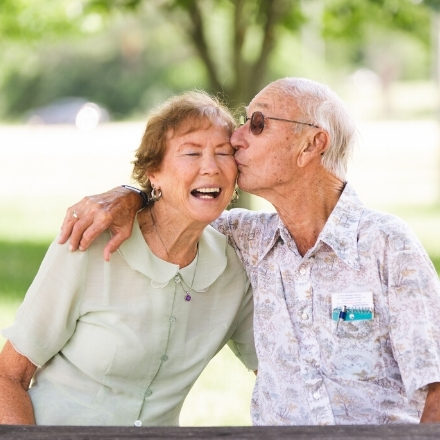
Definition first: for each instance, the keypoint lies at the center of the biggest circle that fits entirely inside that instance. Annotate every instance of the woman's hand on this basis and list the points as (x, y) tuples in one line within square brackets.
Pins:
[(16, 372), (114, 210)]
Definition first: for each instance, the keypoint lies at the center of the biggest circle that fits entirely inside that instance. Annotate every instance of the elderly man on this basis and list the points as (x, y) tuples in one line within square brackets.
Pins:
[(346, 299)]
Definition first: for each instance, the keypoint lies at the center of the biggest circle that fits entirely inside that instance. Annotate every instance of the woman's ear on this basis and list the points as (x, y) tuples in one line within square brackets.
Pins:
[(316, 147), (153, 180)]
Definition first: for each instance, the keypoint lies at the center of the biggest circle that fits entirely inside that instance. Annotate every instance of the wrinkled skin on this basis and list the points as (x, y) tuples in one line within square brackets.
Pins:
[(98, 213)]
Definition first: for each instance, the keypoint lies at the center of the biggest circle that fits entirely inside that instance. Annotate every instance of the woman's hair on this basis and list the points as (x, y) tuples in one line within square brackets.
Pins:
[(180, 114), (321, 106)]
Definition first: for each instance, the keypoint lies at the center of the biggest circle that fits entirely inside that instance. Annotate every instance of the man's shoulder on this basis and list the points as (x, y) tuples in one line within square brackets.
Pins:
[(382, 220), (389, 226), (246, 219), (242, 227)]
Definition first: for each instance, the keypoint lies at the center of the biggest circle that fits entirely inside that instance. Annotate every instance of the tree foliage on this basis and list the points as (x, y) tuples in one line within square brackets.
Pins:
[(235, 40), (29, 20), (349, 19), (237, 61)]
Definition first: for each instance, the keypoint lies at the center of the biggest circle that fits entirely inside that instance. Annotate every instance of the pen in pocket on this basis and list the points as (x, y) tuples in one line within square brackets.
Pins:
[(341, 317)]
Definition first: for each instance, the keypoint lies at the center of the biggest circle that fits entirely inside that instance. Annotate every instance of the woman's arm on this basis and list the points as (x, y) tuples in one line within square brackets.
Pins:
[(431, 413), (16, 372)]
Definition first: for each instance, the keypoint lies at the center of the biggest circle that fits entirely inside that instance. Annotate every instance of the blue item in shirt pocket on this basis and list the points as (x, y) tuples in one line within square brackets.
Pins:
[(353, 314)]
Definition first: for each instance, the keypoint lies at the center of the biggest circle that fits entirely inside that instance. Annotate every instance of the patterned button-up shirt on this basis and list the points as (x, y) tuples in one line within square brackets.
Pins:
[(312, 370)]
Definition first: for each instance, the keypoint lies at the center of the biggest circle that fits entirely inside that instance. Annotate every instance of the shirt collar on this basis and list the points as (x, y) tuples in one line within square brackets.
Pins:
[(340, 230), (269, 241), (211, 261)]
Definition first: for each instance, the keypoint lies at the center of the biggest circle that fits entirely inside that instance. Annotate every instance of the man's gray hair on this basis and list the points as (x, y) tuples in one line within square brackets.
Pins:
[(319, 105)]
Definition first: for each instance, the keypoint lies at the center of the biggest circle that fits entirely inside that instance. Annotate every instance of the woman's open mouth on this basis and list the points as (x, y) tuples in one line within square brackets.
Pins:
[(206, 193)]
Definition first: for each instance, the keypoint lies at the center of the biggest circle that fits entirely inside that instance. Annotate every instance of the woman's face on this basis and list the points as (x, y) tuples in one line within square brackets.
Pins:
[(198, 174)]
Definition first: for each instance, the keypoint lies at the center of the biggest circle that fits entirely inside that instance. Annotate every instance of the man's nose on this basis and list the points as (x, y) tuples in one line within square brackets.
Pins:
[(238, 138)]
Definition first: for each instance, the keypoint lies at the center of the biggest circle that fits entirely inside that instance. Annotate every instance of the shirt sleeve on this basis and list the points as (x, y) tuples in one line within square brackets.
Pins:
[(243, 229), (47, 317), (414, 303), (222, 225), (242, 341)]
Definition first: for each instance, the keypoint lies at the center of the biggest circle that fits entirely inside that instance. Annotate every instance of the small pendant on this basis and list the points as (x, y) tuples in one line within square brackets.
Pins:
[(187, 297)]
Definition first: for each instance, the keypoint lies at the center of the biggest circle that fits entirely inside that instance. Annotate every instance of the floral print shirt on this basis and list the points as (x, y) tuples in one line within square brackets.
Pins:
[(312, 370)]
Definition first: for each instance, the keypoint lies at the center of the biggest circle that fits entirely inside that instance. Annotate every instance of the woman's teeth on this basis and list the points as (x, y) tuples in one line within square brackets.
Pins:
[(206, 193)]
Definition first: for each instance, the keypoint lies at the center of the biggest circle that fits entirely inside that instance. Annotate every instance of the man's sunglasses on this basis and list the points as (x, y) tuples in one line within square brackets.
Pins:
[(257, 122)]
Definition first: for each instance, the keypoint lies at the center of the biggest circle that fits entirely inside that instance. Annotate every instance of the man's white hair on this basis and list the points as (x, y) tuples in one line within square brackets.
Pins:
[(320, 106)]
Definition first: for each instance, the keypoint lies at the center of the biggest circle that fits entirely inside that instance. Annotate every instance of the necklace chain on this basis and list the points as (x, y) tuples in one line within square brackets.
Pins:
[(157, 232), (189, 289)]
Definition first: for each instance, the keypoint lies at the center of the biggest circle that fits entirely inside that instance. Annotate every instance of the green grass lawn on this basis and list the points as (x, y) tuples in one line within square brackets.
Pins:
[(221, 396)]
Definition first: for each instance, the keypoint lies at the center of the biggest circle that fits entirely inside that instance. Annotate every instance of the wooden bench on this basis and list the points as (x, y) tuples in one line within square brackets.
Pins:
[(362, 432)]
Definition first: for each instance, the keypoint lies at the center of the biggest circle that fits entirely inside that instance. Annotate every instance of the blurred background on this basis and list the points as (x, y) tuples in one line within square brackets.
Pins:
[(78, 77)]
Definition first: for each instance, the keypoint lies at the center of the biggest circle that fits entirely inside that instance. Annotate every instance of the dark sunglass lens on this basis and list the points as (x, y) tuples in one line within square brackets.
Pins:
[(257, 123)]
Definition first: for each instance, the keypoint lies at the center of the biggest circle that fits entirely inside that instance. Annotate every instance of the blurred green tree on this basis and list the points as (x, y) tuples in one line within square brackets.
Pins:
[(234, 41), (27, 20), (236, 38)]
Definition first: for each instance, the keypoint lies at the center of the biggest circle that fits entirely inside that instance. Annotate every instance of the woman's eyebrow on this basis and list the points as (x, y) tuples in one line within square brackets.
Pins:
[(190, 144)]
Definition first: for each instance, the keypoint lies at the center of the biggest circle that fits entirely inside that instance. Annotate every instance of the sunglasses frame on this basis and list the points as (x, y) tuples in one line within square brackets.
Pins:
[(244, 119)]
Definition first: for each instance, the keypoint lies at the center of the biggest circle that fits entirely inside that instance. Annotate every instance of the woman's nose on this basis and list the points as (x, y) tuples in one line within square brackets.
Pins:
[(209, 164)]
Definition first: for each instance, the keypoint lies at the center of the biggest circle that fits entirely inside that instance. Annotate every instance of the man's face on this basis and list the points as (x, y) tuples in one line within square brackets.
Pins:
[(268, 161)]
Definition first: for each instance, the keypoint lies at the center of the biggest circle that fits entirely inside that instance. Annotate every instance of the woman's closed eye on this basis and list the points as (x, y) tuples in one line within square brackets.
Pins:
[(191, 151), (225, 150)]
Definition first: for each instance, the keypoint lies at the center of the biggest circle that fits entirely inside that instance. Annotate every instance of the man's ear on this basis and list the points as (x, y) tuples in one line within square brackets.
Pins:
[(316, 147)]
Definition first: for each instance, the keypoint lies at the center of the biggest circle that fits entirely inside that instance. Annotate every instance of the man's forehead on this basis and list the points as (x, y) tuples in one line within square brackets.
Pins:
[(273, 100), (260, 105)]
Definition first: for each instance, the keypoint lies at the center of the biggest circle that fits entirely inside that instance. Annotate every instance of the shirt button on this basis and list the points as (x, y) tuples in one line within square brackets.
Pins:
[(302, 271), (304, 316), (148, 392), (138, 423), (164, 358), (172, 319), (177, 279), (316, 395)]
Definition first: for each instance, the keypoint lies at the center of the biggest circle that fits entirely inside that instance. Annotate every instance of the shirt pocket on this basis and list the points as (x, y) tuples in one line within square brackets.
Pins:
[(352, 350)]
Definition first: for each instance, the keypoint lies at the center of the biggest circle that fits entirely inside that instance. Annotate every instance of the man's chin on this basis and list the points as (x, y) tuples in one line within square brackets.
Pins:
[(244, 186), (241, 182)]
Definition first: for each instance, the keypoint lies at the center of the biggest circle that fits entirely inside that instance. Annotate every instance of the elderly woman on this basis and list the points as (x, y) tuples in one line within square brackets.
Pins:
[(122, 342)]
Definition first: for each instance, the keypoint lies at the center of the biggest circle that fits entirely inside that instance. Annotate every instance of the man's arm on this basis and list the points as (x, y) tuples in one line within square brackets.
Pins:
[(431, 412), (114, 210), (16, 372)]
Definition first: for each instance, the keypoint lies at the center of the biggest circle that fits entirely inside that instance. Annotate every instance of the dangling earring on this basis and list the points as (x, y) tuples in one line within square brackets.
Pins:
[(156, 195), (235, 196)]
